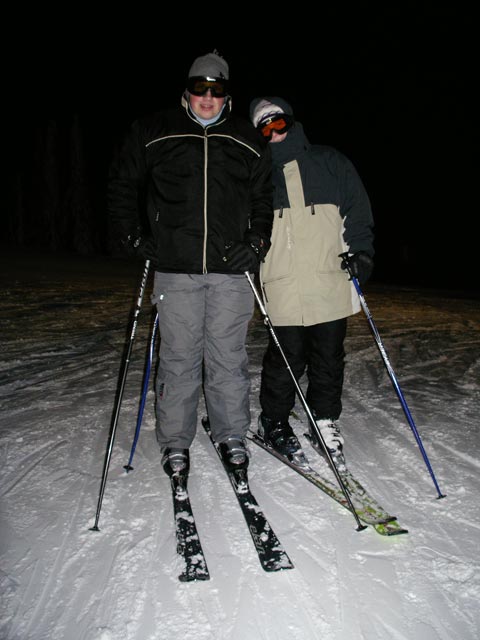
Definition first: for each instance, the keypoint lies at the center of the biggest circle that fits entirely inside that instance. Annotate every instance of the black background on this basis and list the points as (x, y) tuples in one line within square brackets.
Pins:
[(393, 89)]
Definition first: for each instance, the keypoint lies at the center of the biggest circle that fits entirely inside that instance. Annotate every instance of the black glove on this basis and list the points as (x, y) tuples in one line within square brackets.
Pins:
[(359, 265), (247, 254), (143, 246)]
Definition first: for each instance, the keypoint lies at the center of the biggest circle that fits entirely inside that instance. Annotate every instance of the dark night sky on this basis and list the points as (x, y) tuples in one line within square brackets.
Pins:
[(393, 89)]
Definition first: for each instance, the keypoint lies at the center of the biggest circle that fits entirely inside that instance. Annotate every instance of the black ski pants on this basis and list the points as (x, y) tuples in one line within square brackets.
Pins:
[(318, 350)]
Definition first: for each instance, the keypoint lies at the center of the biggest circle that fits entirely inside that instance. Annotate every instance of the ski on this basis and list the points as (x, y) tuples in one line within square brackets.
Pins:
[(189, 547), (367, 508), (270, 552)]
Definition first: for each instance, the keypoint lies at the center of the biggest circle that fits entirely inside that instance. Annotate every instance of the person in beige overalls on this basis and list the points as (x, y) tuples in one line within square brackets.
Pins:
[(321, 210)]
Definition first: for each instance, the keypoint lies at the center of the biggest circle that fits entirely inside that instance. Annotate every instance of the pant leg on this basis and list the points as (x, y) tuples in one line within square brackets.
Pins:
[(277, 389), (229, 309), (180, 300), (325, 370)]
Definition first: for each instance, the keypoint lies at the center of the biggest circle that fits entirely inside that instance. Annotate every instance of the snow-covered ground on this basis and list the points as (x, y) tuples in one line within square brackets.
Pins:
[(64, 325)]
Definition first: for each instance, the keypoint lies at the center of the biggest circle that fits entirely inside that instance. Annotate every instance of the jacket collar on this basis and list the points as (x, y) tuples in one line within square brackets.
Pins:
[(293, 147)]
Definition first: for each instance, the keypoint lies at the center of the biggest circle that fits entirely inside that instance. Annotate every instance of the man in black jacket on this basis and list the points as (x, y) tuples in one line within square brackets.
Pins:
[(202, 178)]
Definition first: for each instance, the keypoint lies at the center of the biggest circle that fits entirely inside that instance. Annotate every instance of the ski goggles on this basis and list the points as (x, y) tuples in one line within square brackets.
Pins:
[(280, 123), (199, 85)]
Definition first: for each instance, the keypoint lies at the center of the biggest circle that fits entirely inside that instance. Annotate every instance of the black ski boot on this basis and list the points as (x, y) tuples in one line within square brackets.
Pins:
[(234, 453), (176, 461), (279, 435)]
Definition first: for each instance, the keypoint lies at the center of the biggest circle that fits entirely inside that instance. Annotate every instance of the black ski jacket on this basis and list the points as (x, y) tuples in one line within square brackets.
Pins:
[(190, 190)]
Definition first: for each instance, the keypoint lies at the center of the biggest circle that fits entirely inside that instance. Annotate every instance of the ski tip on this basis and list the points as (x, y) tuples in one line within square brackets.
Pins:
[(392, 528), (196, 576), (270, 568)]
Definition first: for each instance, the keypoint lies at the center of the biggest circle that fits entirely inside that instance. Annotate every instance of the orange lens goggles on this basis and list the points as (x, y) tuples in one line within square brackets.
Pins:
[(280, 124)]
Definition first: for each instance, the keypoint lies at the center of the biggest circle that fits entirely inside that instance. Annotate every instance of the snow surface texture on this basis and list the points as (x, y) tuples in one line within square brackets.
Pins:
[(64, 329)]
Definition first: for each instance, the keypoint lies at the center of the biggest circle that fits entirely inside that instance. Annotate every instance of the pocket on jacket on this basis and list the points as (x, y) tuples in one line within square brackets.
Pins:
[(283, 301)]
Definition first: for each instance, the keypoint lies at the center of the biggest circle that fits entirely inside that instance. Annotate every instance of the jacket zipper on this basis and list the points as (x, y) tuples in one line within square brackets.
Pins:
[(205, 217)]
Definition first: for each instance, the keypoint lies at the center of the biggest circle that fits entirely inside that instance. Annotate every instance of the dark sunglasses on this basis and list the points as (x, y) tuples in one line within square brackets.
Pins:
[(199, 85), (279, 123)]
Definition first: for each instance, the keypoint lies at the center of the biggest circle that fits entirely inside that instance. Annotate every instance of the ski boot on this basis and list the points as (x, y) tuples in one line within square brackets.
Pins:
[(176, 461), (279, 435)]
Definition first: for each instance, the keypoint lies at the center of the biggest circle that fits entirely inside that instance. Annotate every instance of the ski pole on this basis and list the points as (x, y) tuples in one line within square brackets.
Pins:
[(391, 372), (128, 467), (315, 427), (126, 363)]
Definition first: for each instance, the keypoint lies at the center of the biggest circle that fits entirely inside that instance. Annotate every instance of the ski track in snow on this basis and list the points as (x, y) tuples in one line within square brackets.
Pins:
[(63, 342)]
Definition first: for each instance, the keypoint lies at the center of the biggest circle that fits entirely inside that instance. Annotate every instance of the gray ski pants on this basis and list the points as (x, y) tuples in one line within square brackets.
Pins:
[(203, 322)]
